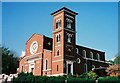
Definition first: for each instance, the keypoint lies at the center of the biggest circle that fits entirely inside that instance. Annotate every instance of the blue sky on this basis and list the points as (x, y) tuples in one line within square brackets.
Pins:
[(96, 24), (60, 0)]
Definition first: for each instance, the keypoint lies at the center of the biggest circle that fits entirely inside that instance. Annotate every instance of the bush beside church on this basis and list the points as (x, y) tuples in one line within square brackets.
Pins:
[(84, 78)]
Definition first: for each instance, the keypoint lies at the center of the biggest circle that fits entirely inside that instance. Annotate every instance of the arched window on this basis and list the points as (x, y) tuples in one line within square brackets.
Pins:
[(58, 38), (58, 53), (98, 56), (46, 64), (69, 38), (84, 53), (85, 68), (58, 23), (77, 51), (69, 23), (91, 55), (69, 51)]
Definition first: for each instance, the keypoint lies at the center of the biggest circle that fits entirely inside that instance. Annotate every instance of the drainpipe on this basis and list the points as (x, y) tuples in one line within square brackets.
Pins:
[(51, 63), (42, 64), (86, 67)]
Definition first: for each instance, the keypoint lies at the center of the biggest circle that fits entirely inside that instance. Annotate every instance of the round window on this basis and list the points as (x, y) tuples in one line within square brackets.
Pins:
[(33, 47), (78, 60)]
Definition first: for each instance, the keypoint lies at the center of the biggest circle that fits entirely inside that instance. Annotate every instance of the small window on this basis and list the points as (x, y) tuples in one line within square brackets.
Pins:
[(78, 60), (91, 55), (69, 51), (46, 64), (84, 53), (69, 38), (65, 66), (22, 69), (32, 69), (98, 56), (58, 38), (58, 24), (69, 23), (85, 68), (58, 53), (77, 51), (57, 67)]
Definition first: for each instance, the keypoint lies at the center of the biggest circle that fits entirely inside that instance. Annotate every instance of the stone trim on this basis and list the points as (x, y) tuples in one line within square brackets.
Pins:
[(57, 60)]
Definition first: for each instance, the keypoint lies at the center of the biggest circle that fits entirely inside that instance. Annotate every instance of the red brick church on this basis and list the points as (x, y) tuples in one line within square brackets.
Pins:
[(60, 55)]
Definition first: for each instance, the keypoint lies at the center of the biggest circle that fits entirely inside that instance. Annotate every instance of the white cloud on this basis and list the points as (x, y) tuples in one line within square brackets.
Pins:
[(23, 54)]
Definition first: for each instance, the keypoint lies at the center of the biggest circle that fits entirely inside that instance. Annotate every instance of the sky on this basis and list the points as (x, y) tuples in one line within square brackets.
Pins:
[(60, 0), (96, 24)]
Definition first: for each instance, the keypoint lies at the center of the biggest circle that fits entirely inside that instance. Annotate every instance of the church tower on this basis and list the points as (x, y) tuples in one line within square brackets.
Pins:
[(64, 41)]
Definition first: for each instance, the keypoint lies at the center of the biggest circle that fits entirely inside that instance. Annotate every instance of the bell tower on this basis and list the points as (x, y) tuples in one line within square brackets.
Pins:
[(64, 41)]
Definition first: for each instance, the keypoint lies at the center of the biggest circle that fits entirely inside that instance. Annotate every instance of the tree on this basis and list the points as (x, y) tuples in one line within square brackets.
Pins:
[(117, 60), (113, 70), (9, 61)]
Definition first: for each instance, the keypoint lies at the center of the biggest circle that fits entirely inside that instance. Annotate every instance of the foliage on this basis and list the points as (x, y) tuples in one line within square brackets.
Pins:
[(113, 70), (24, 74), (108, 79), (111, 61), (117, 60), (80, 80), (92, 75), (29, 78), (84, 75), (9, 61), (69, 75)]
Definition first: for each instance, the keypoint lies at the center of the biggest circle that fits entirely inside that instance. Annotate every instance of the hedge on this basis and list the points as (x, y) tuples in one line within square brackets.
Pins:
[(29, 78), (108, 79), (80, 80)]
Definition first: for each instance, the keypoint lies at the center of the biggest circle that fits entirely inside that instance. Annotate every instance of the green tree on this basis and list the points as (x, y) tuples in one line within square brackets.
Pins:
[(117, 60), (9, 61), (111, 61)]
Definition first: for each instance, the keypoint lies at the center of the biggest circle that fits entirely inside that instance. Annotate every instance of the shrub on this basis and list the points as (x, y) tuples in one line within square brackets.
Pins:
[(22, 74), (42, 79), (29, 78), (69, 75), (109, 79), (84, 75), (70, 80), (80, 80), (60, 79), (92, 75), (24, 78), (51, 80)]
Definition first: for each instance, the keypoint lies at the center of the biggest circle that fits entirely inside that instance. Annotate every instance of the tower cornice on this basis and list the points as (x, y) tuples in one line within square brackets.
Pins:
[(64, 9)]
